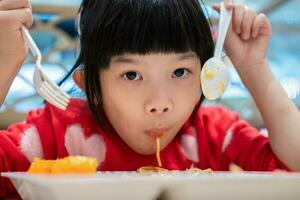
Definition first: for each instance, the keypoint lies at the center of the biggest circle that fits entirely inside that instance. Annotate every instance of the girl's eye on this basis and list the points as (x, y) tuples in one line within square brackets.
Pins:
[(181, 72), (132, 76)]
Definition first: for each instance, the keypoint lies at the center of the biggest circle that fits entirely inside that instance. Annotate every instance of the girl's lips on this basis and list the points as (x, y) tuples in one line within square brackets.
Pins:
[(156, 133)]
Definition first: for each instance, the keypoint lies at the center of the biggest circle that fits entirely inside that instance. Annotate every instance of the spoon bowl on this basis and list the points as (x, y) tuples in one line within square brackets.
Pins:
[(214, 78), (214, 74)]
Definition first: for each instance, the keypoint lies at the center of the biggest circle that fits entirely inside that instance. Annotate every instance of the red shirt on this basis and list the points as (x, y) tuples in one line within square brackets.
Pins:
[(213, 138)]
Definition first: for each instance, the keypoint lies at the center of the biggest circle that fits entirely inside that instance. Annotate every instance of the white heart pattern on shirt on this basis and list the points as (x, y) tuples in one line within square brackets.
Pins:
[(77, 144), (31, 145), (189, 145)]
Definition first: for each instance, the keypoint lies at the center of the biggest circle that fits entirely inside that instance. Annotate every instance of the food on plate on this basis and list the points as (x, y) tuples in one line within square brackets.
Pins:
[(195, 169), (151, 169), (159, 168), (235, 168), (70, 164)]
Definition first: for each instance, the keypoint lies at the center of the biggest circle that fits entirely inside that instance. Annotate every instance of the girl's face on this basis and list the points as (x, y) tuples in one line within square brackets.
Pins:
[(149, 96)]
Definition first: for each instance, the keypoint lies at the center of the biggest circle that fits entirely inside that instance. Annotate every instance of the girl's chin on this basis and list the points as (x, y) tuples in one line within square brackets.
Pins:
[(150, 150), (145, 151)]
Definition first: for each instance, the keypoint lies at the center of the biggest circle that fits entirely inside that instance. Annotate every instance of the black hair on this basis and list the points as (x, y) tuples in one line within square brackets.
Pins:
[(113, 27)]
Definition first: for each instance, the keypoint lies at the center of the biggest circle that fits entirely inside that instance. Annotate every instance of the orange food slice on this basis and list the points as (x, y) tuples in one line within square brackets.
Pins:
[(70, 164)]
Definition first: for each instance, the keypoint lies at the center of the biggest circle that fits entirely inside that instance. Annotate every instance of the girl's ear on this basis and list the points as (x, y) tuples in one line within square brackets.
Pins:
[(78, 78)]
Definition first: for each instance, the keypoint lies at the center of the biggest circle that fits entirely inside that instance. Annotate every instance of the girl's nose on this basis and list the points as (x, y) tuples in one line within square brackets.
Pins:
[(159, 107)]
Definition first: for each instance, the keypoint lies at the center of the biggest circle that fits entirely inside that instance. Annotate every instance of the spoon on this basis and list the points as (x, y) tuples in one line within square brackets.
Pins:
[(214, 74)]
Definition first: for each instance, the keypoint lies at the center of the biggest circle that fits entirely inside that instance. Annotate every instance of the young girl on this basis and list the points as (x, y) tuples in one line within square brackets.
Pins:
[(139, 66)]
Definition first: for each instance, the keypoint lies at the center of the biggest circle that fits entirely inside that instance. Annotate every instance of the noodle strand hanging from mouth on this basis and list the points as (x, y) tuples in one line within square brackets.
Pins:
[(158, 152)]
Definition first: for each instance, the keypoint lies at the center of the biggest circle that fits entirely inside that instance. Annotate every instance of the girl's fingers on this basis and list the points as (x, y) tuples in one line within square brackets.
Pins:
[(260, 25), (249, 17), (237, 18), (14, 4), (246, 22), (18, 17), (228, 4)]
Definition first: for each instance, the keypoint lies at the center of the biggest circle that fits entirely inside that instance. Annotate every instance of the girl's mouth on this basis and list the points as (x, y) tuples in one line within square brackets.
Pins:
[(156, 132)]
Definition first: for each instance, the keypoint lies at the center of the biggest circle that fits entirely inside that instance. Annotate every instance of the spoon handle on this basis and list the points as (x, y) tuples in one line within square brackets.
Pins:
[(225, 18)]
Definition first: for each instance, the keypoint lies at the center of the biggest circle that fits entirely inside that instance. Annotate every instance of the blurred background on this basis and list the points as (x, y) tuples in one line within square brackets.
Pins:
[(55, 34)]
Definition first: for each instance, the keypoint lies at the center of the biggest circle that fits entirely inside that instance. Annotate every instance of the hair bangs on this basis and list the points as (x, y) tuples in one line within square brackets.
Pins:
[(148, 26)]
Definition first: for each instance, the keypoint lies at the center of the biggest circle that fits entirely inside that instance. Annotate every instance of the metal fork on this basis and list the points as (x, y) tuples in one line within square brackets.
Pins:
[(43, 85)]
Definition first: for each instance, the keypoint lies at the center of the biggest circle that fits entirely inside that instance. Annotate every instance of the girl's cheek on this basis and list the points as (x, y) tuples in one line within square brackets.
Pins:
[(189, 82)]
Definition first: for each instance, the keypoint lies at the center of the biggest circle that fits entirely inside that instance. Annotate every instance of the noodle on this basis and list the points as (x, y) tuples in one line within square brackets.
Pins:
[(195, 169), (147, 169), (151, 169), (158, 152)]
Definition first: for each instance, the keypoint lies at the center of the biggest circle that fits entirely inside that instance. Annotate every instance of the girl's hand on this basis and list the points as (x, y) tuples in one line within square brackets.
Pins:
[(13, 15), (248, 37)]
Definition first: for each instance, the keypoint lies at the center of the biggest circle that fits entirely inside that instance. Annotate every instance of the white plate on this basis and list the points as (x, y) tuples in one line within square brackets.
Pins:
[(182, 185)]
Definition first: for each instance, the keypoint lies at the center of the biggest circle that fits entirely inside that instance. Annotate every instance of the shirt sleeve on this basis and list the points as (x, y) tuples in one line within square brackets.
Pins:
[(226, 139), (19, 144), (246, 147)]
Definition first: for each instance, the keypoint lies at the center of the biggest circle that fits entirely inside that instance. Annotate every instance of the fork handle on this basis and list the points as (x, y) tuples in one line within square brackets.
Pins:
[(31, 44)]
